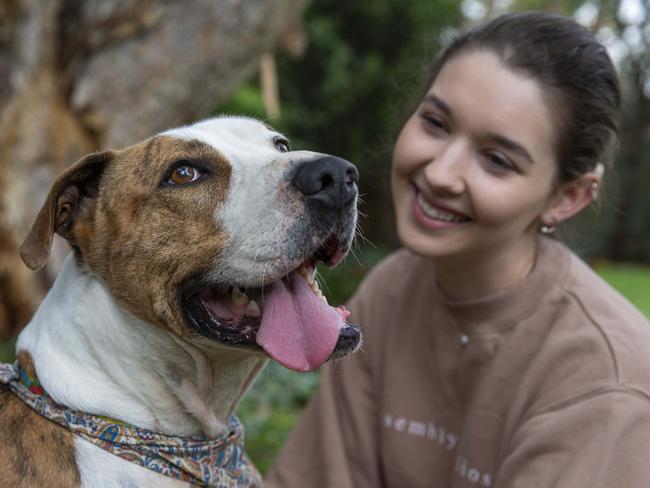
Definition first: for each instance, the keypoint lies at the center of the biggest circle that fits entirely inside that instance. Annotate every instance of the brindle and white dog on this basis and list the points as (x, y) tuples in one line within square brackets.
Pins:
[(194, 254)]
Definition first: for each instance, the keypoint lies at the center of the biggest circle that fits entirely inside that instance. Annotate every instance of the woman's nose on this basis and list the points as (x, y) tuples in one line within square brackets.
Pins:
[(445, 173)]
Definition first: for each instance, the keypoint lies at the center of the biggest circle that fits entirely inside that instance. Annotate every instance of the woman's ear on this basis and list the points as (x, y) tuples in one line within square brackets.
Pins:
[(572, 197)]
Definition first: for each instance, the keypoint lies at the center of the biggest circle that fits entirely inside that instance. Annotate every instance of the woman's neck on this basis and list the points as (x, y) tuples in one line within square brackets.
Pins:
[(486, 273)]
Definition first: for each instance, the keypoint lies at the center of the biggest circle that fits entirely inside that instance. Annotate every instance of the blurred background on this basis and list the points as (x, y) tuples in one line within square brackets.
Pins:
[(335, 76)]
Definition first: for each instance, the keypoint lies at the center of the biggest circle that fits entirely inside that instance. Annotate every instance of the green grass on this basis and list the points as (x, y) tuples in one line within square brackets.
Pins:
[(632, 281)]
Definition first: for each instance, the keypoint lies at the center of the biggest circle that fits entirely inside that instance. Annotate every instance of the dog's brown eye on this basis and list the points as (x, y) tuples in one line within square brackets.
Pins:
[(282, 145), (183, 174)]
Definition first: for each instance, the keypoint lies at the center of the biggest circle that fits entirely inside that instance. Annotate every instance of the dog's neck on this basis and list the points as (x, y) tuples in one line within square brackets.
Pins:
[(91, 355)]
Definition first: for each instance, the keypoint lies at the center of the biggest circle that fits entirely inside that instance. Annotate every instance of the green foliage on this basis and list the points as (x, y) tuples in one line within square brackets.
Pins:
[(270, 410), (247, 100), (362, 61), (7, 351), (565, 7)]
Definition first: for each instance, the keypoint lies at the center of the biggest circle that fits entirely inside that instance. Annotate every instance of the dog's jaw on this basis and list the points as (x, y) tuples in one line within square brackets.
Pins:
[(113, 364)]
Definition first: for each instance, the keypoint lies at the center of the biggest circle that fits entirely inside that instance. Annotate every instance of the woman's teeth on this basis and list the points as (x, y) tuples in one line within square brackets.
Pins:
[(437, 214)]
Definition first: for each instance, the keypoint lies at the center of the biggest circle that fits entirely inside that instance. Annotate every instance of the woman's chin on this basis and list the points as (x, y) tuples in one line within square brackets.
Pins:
[(430, 246)]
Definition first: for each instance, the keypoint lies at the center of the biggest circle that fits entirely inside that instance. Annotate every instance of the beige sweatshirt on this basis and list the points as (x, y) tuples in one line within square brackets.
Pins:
[(544, 385)]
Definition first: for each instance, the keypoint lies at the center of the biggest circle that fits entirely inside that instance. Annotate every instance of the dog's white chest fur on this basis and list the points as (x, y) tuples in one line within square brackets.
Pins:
[(100, 468)]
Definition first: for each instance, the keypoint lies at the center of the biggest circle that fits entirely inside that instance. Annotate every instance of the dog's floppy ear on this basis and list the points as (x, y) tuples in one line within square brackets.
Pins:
[(70, 190)]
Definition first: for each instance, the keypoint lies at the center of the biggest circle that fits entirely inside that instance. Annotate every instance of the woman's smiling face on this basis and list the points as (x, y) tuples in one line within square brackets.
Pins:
[(474, 166)]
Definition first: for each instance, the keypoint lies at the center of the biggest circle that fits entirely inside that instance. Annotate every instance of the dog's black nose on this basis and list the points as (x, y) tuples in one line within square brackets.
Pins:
[(329, 181)]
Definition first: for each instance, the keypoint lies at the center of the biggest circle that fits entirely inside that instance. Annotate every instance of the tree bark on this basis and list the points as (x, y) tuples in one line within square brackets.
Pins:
[(78, 76)]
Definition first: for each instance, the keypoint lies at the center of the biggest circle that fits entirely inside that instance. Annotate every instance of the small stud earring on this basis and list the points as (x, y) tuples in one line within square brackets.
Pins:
[(547, 229), (594, 191)]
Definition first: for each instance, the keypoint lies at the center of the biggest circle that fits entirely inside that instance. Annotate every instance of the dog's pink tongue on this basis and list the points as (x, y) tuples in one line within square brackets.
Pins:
[(298, 329)]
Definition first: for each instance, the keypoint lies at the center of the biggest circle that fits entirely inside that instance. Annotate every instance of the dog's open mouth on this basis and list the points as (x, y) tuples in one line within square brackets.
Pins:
[(289, 318)]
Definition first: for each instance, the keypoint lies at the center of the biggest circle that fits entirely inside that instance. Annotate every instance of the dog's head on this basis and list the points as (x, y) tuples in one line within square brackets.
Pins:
[(213, 229)]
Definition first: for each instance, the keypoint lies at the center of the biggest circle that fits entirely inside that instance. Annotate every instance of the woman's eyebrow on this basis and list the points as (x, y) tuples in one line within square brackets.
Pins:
[(496, 138), (511, 145), (431, 98)]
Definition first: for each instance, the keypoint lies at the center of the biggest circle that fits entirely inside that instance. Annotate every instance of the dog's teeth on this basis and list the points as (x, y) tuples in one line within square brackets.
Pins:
[(311, 281), (314, 286), (239, 297), (308, 276), (253, 309), (303, 272)]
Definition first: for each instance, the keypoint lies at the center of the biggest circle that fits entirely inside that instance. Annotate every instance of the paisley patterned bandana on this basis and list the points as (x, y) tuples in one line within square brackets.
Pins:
[(218, 462)]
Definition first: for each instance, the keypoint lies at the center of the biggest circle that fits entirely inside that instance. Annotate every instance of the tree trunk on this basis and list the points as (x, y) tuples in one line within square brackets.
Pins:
[(78, 76)]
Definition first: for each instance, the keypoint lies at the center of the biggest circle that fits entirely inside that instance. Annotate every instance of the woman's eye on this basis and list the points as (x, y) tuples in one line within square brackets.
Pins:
[(434, 122), (500, 162), (282, 145), (183, 174)]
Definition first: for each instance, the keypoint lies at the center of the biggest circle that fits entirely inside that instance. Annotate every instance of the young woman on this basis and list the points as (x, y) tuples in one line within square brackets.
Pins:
[(493, 356)]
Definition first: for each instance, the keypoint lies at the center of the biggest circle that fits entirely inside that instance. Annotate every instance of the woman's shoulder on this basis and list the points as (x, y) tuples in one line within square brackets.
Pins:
[(594, 322), (569, 275), (602, 303)]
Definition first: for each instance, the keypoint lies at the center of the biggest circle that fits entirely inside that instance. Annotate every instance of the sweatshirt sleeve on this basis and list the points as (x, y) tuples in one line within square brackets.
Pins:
[(335, 443), (601, 441)]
